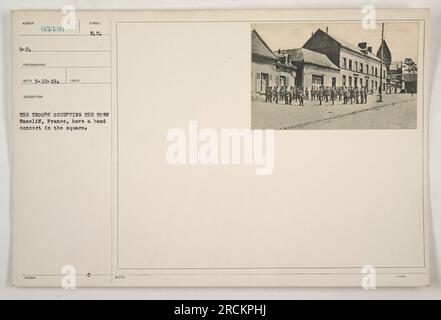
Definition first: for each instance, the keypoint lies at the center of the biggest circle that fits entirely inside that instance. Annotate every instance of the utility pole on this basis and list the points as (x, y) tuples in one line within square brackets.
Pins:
[(381, 66)]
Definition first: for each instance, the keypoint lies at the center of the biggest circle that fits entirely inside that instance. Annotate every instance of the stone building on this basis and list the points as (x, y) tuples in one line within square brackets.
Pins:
[(268, 68), (313, 68), (358, 65)]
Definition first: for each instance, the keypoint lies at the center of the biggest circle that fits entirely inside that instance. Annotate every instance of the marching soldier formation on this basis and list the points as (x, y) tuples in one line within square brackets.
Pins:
[(321, 94)]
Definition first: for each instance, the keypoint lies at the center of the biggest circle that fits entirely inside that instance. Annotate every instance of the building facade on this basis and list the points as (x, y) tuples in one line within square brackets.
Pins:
[(395, 84), (359, 67), (403, 76), (313, 68), (268, 68), (409, 75)]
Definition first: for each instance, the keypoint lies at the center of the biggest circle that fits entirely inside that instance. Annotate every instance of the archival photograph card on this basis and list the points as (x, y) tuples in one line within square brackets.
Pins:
[(327, 76), (220, 148)]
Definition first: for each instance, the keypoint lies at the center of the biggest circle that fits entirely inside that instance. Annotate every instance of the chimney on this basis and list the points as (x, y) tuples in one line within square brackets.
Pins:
[(369, 49), (362, 45)]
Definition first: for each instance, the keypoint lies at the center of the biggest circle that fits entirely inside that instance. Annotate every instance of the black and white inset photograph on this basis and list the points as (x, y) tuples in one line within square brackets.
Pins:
[(334, 75)]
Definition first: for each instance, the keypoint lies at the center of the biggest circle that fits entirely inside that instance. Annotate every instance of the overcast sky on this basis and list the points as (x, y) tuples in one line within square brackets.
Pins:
[(401, 37)]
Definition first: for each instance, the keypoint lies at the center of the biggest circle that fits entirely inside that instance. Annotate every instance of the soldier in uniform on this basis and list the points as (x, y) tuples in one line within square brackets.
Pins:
[(356, 95), (320, 95), (362, 95), (350, 94), (268, 94), (332, 95), (301, 96), (345, 95), (285, 94), (282, 94), (275, 94), (365, 93)]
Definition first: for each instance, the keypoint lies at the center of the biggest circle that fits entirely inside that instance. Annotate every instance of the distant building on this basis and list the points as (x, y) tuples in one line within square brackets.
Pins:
[(393, 69), (313, 68), (410, 75), (269, 69), (403, 74), (358, 65), (395, 77), (410, 82)]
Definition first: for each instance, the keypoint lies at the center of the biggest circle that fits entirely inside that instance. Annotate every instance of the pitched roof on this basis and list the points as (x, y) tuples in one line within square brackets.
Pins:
[(284, 58), (350, 46), (385, 51), (260, 48), (310, 57)]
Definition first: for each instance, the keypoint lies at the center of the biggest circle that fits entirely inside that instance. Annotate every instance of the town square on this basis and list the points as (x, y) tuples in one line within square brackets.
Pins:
[(331, 83)]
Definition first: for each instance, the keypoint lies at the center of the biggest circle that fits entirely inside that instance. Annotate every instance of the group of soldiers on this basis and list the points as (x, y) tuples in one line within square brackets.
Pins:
[(322, 94), (287, 94)]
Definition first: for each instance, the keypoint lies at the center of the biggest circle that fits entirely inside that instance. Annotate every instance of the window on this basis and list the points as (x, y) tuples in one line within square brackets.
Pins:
[(361, 67), (344, 63), (367, 68), (317, 80), (334, 81), (384, 73), (264, 81), (350, 81), (372, 70), (356, 66), (376, 72), (343, 80), (350, 64), (355, 82), (283, 81)]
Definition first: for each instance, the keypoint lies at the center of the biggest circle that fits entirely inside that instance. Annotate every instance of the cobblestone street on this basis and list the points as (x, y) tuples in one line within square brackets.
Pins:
[(398, 111)]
